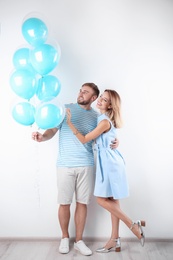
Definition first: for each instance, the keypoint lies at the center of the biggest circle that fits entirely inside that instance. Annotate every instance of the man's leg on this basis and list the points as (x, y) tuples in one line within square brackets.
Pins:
[(84, 190), (66, 178), (64, 218), (80, 219)]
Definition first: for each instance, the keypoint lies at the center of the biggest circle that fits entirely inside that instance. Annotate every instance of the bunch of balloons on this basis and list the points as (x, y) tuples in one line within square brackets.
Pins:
[(31, 78)]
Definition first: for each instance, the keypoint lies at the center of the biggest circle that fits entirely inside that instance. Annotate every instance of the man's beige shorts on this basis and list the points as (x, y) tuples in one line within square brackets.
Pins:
[(78, 181)]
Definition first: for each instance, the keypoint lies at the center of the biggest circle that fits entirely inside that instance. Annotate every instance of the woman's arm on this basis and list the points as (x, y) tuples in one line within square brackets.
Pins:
[(102, 127)]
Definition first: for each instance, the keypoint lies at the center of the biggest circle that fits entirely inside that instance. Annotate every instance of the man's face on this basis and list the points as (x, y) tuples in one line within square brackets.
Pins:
[(85, 96)]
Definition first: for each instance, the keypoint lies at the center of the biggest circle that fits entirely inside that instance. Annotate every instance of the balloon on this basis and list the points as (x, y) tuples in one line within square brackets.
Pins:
[(23, 83), (44, 58), (34, 31), (49, 114), (21, 58), (48, 86), (23, 113)]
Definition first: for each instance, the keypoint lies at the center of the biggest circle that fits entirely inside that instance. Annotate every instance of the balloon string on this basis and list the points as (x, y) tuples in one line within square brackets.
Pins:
[(37, 173)]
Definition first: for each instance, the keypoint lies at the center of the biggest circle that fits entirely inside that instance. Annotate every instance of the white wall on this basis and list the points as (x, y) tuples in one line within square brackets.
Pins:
[(122, 44)]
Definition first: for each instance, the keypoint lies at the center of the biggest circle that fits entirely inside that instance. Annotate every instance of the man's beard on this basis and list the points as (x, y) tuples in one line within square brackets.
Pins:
[(83, 102)]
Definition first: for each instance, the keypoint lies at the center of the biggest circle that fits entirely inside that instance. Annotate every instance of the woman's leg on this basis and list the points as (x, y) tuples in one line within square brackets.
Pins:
[(115, 226), (114, 233), (114, 241), (113, 207)]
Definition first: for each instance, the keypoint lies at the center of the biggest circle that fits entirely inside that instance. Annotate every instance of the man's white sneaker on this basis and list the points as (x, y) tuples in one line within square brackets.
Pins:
[(64, 245), (82, 248)]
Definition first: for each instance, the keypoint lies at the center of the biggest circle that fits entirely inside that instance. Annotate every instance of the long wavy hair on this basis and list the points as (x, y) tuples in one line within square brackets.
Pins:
[(114, 112)]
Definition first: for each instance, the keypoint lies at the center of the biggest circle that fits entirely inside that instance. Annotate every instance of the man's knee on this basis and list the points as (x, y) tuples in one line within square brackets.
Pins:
[(81, 205), (64, 207)]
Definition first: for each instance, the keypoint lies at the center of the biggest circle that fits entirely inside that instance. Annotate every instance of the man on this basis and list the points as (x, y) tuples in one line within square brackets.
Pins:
[(75, 166)]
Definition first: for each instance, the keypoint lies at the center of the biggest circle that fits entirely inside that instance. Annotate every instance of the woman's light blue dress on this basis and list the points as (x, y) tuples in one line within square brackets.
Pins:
[(111, 180)]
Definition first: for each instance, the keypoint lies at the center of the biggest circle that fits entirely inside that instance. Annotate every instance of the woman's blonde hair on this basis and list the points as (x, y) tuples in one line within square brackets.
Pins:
[(114, 112)]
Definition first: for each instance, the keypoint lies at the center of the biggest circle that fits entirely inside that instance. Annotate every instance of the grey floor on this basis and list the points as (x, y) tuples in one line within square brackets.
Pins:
[(47, 249)]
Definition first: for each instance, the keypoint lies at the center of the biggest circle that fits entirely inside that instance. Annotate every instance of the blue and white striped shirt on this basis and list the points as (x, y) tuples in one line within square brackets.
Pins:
[(72, 153)]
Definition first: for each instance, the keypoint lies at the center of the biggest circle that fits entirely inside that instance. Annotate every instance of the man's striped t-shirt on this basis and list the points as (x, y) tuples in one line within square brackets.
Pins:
[(72, 153)]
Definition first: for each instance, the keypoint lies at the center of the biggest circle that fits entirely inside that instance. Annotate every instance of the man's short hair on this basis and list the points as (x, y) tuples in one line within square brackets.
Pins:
[(93, 86)]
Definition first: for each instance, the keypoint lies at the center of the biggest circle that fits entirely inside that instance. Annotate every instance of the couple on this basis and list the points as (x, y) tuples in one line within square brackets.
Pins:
[(75, 166)]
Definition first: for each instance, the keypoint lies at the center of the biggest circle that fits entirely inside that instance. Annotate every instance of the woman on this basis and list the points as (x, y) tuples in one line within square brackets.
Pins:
[(111, 182)]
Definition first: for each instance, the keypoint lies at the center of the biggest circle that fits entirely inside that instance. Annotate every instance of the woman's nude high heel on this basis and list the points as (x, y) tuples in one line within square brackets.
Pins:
[(140, 224), (117, 247)]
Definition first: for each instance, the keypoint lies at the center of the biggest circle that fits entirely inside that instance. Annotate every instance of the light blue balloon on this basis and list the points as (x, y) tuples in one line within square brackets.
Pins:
[(49, 115), (44, 58), (48, 86), (24, 113), (34, 31), (23, 82), (21, 59)]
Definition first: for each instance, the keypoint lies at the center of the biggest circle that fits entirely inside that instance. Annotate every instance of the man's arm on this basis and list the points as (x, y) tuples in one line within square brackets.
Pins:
[(114, 144), (48, 134)]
